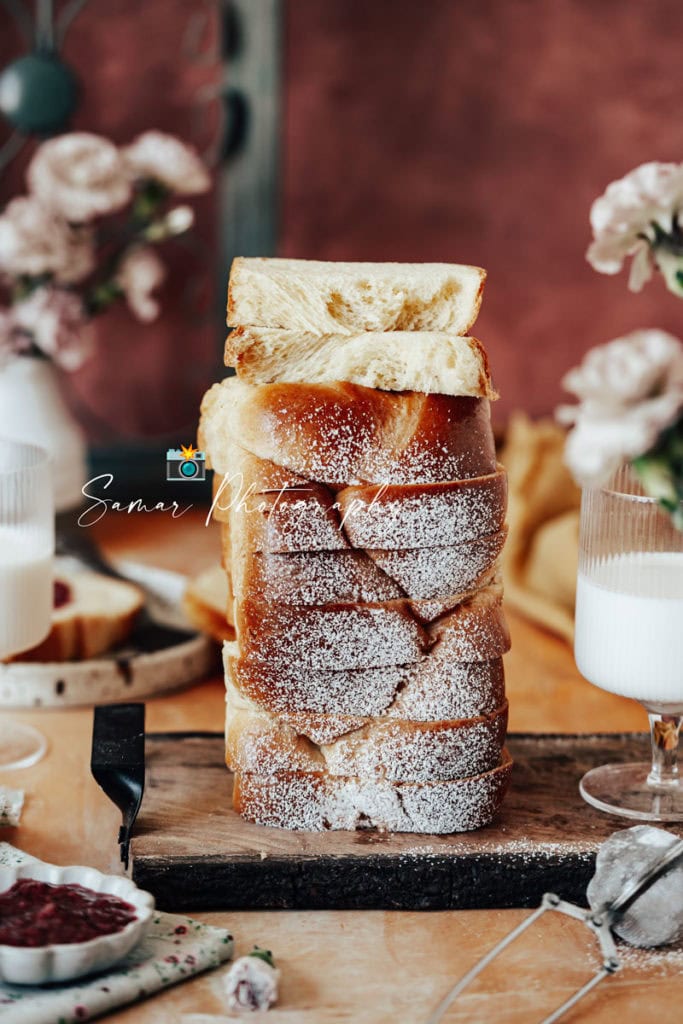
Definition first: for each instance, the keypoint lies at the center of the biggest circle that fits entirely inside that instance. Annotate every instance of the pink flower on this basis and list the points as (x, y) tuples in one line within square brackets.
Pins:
[(622, 219), (80, 176), (55, 321), (630, 390), (33, 241), (139, 273), (166, 159)]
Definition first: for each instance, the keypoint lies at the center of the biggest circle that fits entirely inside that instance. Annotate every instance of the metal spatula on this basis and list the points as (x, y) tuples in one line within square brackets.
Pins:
[(118, 761)]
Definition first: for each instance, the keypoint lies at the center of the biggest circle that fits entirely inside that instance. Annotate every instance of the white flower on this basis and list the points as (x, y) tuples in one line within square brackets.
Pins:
[(80, 176), (55, 321), (630, 390), (166, 159), (251, 984), (139, 273), (176, 222), (33, 241), (622, 219)]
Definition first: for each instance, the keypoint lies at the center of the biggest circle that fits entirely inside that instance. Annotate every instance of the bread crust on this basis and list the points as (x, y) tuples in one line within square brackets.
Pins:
[(432, 689), (315, 803), (335, 638), (424, 515), (387, 748), (345, 434)]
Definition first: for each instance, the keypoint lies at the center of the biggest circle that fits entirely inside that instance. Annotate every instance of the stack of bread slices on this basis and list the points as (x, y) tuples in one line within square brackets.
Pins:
[(363, 515)]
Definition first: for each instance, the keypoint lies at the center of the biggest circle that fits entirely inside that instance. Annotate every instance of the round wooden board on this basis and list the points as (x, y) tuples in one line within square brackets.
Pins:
[(121, 675)]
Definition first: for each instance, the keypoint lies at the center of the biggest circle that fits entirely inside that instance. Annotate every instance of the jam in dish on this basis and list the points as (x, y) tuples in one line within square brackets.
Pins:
[(34, 913)]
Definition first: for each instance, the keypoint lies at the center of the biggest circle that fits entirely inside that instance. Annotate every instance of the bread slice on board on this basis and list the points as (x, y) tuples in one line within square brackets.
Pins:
[(316, 802), (360, 636), (427, 361), (339, 434), (429, 690), (390, 748), (339, 298)]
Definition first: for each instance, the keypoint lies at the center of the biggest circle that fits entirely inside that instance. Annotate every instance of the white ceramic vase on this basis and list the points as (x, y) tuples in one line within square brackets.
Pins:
[(32, 409)]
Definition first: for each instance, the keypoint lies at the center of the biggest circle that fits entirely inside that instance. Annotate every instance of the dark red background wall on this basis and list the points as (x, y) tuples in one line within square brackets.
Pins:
[(480, 131), (462, 130)]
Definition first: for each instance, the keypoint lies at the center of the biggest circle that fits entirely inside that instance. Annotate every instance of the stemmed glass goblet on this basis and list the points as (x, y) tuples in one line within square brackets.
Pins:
[(629, 638), (26, 576)]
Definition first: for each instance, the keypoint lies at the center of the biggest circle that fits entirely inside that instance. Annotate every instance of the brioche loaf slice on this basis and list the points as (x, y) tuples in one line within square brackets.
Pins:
[(96, 615), (338, 636), (424, 515), (330, 298), (316, 802), (345, 434), (439, 571), (333, 577), (352, 636), (431, 362), (430, 690), (305, 519), (390, 748), (310, 577), (385, 516)]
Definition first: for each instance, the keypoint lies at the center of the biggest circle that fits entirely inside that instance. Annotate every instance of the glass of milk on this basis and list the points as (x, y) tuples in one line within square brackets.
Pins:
[(629, 638), (26, 576)]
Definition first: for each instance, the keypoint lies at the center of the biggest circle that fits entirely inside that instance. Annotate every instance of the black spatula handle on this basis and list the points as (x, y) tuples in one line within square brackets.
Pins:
[(118, 761)]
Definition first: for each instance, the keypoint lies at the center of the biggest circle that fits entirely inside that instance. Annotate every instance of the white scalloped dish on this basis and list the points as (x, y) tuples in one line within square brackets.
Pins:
[(40, 965)]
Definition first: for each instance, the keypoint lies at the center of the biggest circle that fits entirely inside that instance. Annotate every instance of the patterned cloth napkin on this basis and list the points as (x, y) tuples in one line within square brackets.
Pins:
[(174, 949)]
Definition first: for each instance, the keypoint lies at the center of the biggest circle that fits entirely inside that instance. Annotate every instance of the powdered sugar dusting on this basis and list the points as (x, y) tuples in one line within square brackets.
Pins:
[(432, 689), (366, 687), (314, 803), (334, 637), (440, 571), (383, 748), (424, 517)]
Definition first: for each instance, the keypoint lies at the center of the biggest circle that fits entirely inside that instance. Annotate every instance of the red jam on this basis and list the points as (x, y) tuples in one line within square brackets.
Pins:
[(36, 913), (62, 593)]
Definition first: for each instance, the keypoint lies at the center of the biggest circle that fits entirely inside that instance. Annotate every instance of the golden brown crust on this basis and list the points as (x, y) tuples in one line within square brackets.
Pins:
[(346, 434)]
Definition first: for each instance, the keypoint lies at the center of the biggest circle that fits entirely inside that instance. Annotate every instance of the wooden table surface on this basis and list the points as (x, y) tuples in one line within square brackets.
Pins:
[(338, 966)]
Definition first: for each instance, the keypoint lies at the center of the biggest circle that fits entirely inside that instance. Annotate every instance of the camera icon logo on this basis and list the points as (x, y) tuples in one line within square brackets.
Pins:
[(185, 463)]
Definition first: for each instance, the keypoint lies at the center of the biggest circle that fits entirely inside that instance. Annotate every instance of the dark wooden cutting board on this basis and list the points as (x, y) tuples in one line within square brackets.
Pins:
[(194, 853)]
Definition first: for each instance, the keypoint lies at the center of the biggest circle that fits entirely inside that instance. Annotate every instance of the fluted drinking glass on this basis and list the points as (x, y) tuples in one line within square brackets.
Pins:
[(629, 638), (26, 576)]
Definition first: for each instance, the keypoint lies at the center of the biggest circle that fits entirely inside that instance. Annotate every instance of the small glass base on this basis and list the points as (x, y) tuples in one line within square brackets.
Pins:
[(623, 789), (20, 745)]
